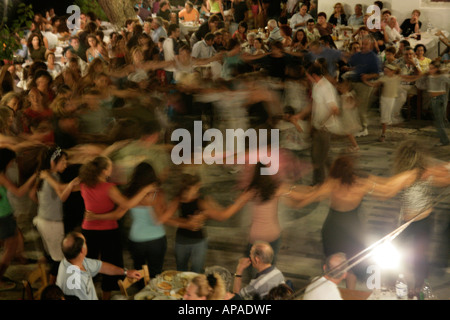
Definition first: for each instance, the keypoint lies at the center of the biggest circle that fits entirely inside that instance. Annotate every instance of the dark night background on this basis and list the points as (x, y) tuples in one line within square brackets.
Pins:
[(40, 6)]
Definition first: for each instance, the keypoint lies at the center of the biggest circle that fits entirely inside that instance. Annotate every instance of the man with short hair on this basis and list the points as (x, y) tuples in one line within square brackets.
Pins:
[(311, 31), (326, 287), (170, 48), (274, 31), (300, 19), (356, 19), (189, 13), (268, 276), (204, 49), (158, 30), (76, 271), (164, 10)]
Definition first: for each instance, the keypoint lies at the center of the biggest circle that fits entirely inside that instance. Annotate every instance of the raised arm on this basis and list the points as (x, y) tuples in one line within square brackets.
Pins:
[(213, 211), (118, 198), (301, 196), (385, 188), (62, 190)]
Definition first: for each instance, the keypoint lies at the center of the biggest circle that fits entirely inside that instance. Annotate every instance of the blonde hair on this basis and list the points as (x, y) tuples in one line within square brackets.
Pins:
[(410, 155)]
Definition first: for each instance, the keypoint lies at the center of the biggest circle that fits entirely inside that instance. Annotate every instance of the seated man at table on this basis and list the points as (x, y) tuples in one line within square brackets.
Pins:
[(189, 13), (76, 272), (411, 25), (268, 276), (204, 49), (326, 287)]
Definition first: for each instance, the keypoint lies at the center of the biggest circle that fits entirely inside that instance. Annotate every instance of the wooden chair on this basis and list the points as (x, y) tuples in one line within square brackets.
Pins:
[(127, 282), (37, 275)]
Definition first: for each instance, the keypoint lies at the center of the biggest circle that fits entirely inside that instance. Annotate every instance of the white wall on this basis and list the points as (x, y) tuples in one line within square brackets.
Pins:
[(437, 13)]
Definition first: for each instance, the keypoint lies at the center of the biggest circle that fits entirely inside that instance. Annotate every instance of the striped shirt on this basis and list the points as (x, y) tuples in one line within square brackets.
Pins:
[(262, 284)]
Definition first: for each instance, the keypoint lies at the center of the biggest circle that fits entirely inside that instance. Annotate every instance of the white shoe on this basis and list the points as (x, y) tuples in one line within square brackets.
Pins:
[(363, 133)]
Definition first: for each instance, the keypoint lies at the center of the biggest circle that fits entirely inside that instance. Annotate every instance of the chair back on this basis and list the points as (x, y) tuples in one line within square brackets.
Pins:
[(128, 282), (37, 275)]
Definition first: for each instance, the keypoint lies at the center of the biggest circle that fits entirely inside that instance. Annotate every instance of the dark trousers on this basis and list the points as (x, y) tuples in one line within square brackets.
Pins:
[(151, 253), (415, 241), (105, 245), (320, 147)]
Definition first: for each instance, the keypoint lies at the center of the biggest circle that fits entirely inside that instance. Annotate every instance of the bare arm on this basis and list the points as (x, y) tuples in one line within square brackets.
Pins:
[(213, 212), (62, 190), (112, 270), (385, 188), (122, 201), (17, 191)]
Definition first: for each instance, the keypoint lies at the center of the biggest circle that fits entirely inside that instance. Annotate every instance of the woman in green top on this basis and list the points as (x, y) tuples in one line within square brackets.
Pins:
[(36, 47), (215, 7), (9, 233)]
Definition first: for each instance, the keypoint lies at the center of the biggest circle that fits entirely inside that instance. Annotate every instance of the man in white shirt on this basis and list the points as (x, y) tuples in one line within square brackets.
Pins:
[(76, 272), (299, 19), (322, 110), (204, 48), (326, 287), (356, 19), (170, 48), (52, 38)]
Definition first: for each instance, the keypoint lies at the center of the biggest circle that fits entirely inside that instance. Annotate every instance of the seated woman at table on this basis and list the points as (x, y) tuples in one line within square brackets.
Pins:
[(300, 41), (96, 50), (411, 25), (241, 33), (324, 27), (338, 17), (36, 47), (424, 62), (189, 13)]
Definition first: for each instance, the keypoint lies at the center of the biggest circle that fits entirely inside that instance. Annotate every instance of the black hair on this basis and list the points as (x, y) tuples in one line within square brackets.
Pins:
[(54, 153), (142, 176), (6, 156)]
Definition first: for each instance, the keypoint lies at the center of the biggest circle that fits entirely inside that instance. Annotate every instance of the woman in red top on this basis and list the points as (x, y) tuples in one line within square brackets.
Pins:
[(100, 196)]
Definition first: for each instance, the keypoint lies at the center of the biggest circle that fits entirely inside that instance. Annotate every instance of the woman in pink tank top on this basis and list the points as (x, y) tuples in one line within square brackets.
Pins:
[(100, 196)]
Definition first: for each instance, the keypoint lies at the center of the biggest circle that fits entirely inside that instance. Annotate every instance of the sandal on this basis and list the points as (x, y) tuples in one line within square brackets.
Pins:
[(382, 138), (7, 285)]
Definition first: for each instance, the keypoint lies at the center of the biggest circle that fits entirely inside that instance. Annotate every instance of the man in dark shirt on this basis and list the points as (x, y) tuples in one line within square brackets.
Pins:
[(410, 26), (366, 65), (164, 10)]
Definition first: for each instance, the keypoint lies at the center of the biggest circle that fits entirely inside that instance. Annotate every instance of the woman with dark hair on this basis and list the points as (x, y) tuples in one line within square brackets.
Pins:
[(300, 41), (51, 194), (148, 240), (342, 230), (9, 232), (420, 50), (96, 49), (241, 33), (101, 196), (36, 47)]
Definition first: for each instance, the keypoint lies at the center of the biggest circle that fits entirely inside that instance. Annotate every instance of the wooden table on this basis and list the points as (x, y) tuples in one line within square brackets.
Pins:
[(348, 294)]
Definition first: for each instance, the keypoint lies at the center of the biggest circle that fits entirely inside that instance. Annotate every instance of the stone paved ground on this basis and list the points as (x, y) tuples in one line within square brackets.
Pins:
[(301, 257)]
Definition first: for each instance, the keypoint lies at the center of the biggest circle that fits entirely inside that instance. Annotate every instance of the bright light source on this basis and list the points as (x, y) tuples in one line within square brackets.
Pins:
[(386, 256)]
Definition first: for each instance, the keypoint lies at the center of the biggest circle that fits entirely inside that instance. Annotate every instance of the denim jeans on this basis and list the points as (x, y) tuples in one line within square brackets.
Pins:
[(438, 105), (196, 253)]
